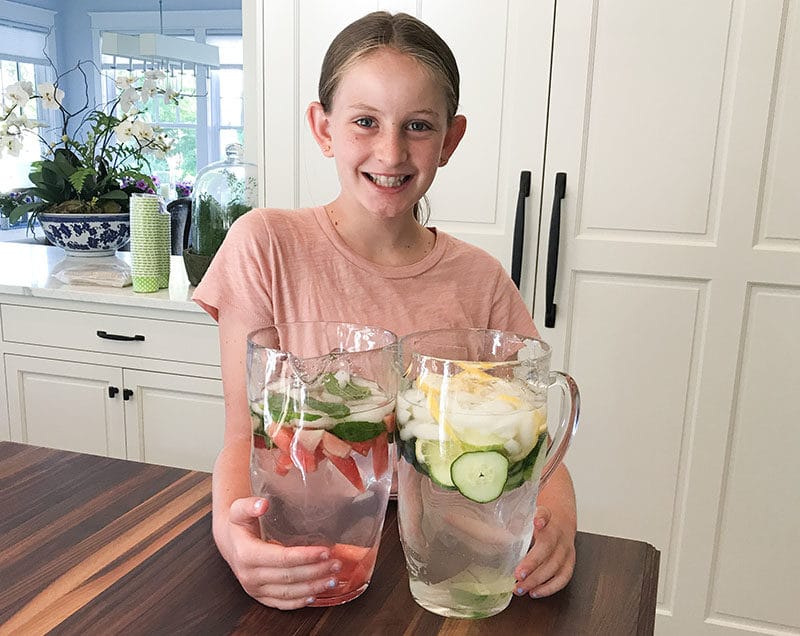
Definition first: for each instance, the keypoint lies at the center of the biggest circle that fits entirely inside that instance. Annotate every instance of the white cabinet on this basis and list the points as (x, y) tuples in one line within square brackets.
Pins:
[(86, 377), (174, 420), (65, 405), (677, 126), (504, 46)]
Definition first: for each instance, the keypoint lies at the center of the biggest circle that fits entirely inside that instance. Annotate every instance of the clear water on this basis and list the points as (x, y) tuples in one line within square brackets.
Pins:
[(460, 554), (324, 508)]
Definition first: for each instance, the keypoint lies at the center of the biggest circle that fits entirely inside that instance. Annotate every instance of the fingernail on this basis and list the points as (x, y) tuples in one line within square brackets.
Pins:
[(310, 600), (519, 591), (331, 584), (532, 595), (522, 575), (258, 506), (324, 556), (336, 567)]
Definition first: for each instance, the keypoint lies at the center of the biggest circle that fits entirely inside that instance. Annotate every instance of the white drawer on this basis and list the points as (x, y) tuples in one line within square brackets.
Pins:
[(104, 333)]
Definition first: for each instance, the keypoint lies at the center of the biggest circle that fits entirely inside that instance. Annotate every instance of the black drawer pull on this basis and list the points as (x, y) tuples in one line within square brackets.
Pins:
[(112, 391), (552, 251), (519, 226), (115, 336), (127, 394)]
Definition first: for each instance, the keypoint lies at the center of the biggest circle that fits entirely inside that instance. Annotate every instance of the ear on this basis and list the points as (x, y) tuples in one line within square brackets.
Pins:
[(452, 138), (320, 127)]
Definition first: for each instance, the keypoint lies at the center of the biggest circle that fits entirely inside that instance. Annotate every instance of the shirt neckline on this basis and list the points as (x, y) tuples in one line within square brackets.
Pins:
[(384, 271)]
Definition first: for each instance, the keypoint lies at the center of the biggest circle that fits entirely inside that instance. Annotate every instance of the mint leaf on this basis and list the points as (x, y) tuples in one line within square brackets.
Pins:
[(349, 391), (358, 431), (283, 409), (334, 409)]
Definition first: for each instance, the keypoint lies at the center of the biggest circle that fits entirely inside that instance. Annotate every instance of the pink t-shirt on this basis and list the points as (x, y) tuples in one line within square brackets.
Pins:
[(291, 265)]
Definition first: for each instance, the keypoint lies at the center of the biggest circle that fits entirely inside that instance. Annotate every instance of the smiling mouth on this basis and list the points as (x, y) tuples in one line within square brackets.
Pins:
[(387, 181)]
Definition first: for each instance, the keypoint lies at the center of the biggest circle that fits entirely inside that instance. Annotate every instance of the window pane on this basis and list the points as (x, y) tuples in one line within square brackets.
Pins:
[(230, 136), (230, 48), (230, 112), (14, 170), (182, 161)]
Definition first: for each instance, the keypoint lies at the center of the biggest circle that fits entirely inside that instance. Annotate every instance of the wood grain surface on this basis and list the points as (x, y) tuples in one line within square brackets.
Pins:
[(91, 545)]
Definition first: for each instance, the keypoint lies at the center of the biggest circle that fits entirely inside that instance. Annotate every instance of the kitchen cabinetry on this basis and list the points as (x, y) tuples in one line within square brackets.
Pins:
[(676, 127), (105, 375)]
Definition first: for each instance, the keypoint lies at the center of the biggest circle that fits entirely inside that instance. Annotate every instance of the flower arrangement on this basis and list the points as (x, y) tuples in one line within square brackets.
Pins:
[(95, 165)]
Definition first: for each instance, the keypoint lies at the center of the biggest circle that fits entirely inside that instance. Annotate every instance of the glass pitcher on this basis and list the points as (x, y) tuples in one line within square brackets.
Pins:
[(322, 399), (474, 449)]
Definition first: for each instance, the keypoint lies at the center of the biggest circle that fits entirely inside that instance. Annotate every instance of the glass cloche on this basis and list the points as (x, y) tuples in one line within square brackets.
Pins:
[(223, 191)]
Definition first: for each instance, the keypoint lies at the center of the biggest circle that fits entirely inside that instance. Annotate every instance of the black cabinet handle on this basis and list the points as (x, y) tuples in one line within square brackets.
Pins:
[(114, 336), (552, 250), (519, 226), (127, 394), (112, 391)]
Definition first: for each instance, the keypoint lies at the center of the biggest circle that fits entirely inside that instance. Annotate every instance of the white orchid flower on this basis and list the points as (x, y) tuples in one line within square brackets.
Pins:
[(124, 81), (124, 131), (143, 131), (19, 93), (155, 74), (127, 99), (11, 144), (51, 96), (149, 88), (171, 96)]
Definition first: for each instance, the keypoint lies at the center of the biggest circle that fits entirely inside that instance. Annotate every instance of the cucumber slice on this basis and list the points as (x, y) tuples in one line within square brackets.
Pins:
[(439, 457), (480, 475)]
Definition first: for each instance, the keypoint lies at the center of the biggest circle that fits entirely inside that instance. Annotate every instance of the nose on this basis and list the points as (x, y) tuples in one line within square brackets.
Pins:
[(391, 147)]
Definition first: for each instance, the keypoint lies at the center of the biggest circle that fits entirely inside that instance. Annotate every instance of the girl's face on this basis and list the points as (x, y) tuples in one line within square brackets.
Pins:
[(388, 131)]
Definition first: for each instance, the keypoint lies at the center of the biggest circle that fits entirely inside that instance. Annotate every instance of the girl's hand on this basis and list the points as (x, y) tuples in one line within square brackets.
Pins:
[(280, 577), (549, 564)]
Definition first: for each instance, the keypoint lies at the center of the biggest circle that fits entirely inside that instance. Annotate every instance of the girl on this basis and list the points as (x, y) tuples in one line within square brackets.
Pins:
[(388, 94)]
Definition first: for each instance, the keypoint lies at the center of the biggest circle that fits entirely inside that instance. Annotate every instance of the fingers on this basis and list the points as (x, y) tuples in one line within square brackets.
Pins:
[(541, 519), (277, 576), (293, 578), (244, 511), (549, 565)]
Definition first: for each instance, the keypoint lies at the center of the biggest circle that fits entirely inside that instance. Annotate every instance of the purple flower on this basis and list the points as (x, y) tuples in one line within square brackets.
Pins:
[(183, 188)]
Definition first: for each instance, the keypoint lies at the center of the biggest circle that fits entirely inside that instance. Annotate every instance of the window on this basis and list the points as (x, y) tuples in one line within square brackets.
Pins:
[(22, 59), (201, 125)]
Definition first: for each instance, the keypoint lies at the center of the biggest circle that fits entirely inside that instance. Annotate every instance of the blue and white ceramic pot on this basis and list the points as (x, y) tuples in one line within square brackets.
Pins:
[(87, 234)]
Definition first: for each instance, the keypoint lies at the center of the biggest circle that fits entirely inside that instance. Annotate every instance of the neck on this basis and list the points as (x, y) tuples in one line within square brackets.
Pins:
[(384, 241)]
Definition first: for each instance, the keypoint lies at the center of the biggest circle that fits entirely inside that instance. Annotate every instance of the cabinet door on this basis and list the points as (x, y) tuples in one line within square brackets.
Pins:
[(678, 293), (503, 51), (174, 420), (65, 405)]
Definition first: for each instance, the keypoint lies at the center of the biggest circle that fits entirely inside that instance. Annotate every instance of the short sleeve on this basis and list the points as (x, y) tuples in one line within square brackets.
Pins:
[(238, 278), (509, 311)]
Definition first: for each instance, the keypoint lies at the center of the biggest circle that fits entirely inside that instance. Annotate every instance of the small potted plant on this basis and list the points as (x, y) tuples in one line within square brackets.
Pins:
[(82, 183), (8, 203)]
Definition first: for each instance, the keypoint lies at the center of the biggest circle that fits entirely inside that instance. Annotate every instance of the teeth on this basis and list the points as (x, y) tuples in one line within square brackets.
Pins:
[(386, 181)]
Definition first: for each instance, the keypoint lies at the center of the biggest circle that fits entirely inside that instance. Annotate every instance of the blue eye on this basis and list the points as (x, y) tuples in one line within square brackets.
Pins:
[(419, 126), (365, 122)]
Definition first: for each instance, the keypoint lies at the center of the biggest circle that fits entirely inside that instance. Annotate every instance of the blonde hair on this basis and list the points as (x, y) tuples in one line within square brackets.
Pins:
[(403, 33)]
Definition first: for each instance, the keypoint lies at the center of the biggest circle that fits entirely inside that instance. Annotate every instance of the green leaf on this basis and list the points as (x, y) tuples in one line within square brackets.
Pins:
[(79, 176), (18, 212), (349, 391), (358, 431), (63, 166), (283, 409), (114, 194), (336, 410)]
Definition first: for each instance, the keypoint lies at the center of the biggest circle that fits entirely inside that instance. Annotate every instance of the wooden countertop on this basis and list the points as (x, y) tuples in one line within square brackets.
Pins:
[(92, 545)]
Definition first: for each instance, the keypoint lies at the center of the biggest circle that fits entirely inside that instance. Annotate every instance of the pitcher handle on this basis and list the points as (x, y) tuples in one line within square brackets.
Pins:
[(567, 425)]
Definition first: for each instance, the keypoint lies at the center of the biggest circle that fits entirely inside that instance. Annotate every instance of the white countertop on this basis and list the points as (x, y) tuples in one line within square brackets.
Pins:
[(26, 270)]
